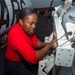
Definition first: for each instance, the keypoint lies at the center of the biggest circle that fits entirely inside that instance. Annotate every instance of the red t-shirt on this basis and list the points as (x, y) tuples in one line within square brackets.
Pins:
[(19, 41)]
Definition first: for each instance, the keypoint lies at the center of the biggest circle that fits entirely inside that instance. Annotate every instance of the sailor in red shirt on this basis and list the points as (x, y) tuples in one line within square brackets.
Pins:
[(19, 41), (21, 57)]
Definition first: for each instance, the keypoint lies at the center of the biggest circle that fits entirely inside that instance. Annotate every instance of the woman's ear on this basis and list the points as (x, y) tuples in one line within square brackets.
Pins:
[(21, 22)]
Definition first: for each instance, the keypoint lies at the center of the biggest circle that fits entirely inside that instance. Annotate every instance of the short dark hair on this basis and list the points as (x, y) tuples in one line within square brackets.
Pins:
[(24, 12)]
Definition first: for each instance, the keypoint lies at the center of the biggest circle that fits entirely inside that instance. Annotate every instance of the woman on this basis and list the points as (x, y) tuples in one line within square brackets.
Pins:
[(22, 56)]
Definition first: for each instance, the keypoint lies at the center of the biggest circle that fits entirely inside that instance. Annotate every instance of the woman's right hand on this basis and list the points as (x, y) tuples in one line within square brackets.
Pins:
[(54, 41)]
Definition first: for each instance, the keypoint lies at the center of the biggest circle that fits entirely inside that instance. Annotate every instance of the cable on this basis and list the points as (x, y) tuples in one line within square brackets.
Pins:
[(68, 33), (51, 3), (72, 40)]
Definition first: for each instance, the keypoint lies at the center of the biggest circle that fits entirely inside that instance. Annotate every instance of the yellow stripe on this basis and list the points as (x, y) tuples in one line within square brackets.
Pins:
[(3, 46)]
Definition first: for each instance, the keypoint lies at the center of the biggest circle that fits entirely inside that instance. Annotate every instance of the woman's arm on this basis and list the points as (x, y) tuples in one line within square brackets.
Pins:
[(45, 50), (41, 44)]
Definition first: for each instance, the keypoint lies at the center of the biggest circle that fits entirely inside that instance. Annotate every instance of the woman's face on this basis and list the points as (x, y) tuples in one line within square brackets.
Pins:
[(29, 23)]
